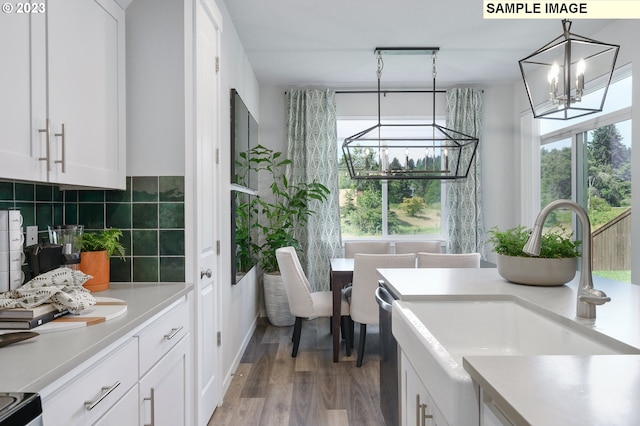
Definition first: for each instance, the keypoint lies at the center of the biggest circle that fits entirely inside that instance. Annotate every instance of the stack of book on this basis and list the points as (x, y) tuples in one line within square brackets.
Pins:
[(28, 318)]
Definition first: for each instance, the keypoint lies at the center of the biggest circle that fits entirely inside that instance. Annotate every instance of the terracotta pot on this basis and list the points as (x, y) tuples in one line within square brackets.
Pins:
[(96, 264), (537, 271)]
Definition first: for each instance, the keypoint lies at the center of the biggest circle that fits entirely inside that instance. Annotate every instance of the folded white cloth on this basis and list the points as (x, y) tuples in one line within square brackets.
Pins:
[(60, 287)]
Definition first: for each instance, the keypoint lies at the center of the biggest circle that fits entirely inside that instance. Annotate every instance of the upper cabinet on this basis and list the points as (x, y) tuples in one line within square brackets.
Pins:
[(66, 94)]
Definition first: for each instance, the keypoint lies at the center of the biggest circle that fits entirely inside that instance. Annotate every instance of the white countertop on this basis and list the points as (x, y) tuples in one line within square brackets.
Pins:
[(619, 319), (545, 389), (31, 365), (561, 389)]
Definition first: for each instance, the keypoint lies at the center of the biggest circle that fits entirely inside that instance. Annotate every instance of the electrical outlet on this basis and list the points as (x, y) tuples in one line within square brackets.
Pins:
[(32, 235)]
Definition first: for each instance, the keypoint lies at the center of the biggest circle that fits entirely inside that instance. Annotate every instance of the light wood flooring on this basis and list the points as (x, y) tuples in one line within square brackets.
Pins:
[(272, 388)]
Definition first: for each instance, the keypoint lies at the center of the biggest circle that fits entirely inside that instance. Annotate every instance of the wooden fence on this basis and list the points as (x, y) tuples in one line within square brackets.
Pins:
[(612, 244)]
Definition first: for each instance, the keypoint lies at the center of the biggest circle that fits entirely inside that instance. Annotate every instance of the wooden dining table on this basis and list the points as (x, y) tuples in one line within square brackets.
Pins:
[(341, 275)]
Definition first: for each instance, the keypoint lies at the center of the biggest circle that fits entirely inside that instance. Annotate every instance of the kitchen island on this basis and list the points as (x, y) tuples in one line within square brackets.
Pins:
[(617, 320)]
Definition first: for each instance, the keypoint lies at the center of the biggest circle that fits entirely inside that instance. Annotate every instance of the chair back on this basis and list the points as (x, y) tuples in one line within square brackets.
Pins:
[(403, 247), (295, 282), (367, 247), (448, 260), (364, 308)]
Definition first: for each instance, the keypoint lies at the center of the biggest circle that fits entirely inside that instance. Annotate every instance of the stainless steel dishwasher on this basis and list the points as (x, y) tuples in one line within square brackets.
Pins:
[(389, 379)]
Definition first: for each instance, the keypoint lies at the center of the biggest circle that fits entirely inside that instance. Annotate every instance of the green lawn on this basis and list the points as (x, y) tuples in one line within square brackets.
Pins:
[(624, 276)]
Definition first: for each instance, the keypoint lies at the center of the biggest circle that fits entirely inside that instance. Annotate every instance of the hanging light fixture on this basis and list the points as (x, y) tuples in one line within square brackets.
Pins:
[(569, 76), (409, 151)]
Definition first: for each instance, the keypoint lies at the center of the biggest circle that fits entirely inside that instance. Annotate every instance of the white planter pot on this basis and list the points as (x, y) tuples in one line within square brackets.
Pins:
[(537, 271), (276, 302)]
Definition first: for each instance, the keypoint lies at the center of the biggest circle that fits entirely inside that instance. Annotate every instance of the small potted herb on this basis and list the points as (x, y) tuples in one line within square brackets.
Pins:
[(556, 264), (97, 247)]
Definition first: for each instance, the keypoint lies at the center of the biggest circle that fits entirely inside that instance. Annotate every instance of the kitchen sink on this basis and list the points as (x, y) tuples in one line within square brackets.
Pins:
[(435, 335)]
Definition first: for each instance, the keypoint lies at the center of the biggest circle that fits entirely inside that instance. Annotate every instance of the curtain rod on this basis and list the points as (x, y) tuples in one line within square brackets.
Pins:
[(338, 92)]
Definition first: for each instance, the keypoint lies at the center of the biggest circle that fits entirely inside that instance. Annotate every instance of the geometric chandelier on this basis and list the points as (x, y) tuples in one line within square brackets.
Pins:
[(569, 76), (388, 151)]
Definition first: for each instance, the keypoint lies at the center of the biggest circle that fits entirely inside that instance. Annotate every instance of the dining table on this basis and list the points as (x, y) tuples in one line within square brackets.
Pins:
[(341, 275)]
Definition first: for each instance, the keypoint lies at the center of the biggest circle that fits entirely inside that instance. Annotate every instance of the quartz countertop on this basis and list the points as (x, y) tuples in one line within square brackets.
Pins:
[(561, 389), (545, 389), (619, 318), (31, 365)]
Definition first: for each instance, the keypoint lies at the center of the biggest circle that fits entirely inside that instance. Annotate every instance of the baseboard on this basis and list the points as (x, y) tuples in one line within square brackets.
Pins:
[(236, 361)]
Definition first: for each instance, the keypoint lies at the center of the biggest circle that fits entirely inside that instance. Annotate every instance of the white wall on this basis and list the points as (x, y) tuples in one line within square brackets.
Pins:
[(155, 117), (240, 302)]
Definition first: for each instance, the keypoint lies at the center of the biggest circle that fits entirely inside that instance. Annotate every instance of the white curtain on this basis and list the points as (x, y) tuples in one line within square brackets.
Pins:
[(465, 220), (312, 149)]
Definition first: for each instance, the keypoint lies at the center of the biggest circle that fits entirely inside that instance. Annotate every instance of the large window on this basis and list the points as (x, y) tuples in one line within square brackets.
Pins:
[(590, 162), (376, 208)]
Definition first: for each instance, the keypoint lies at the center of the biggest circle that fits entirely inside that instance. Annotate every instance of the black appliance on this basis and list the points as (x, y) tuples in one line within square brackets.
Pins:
[(20, 409), (43, 258), (389, 376)]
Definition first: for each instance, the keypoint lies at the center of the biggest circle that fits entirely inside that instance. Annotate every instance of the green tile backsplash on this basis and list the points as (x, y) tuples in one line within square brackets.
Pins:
[(150, 213)]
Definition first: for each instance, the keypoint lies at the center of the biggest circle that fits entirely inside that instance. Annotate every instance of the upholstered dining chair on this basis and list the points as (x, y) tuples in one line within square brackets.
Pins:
[(403, 247), (364, 308), (303, 302), (369, 247), (448, 260)]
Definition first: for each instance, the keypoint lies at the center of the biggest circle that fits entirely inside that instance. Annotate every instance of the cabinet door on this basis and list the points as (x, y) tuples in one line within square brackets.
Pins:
[(86, 92), (124, 412), (165, 391), (22, 47)]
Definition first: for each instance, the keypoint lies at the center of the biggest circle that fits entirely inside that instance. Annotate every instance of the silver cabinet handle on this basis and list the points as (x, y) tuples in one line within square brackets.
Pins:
[(421, 412), (90, 405), (47, 132), (206, 273), (64, 150), (173, 333), (153, 407)]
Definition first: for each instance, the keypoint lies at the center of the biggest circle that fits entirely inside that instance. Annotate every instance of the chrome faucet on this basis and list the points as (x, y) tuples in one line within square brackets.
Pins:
[(587, 297)]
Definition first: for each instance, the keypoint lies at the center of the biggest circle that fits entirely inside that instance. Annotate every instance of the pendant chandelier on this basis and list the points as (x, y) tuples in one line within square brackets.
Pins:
[(569, 76), (409, 151)]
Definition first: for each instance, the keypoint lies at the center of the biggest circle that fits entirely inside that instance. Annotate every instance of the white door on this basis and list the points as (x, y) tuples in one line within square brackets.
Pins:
[(208, 383)]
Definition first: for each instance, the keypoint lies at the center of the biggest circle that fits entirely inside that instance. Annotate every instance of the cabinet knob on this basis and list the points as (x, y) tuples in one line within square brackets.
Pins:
[(206, 273)]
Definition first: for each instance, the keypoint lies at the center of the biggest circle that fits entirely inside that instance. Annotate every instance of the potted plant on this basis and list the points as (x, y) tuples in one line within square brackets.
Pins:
[(96, 249), (277, 220), (556, 264)]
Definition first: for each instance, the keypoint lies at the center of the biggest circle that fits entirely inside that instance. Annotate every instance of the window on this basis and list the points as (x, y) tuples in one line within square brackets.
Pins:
[(590, 162), (376, 208)]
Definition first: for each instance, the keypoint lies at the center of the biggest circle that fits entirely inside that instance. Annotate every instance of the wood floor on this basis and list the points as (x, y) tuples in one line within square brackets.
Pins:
[(272, 388)]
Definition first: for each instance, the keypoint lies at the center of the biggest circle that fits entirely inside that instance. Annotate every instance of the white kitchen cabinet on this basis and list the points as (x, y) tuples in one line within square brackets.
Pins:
[(143, 378), (91, 392), (124, 412), (66, 95), (165, 390), (416, 404)]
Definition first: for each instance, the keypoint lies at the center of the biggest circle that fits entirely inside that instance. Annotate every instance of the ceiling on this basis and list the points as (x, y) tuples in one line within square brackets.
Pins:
[(330, 43)]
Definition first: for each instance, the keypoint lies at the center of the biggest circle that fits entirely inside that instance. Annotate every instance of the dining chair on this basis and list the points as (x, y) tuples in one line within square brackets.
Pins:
[(369, 247), (403, 247), (364, 308), (303, 302), (448, 260)]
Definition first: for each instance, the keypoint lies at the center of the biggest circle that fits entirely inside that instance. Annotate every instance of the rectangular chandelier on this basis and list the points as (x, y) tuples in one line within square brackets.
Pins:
[(409, 151)]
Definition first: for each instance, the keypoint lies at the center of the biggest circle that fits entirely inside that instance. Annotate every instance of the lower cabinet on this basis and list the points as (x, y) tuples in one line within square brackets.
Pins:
[(165, 390), (416, 404), (143, 379)]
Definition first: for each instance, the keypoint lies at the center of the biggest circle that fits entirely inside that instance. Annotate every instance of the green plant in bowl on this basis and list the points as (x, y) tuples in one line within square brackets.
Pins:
[(555, 244)]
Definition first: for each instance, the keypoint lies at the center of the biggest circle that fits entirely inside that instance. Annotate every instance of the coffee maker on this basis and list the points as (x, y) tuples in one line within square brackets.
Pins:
[(63, 248)]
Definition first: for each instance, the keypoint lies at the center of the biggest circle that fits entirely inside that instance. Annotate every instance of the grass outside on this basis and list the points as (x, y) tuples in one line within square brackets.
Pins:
[(623, 276)]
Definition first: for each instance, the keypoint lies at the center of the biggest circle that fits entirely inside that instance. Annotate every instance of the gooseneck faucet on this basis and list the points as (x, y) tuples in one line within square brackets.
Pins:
[(587, 297)]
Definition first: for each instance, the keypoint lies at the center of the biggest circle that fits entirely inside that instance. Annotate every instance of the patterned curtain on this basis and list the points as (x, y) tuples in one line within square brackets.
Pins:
[(312, 149), (465, 221)]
